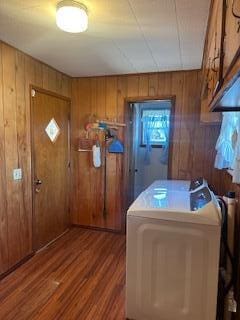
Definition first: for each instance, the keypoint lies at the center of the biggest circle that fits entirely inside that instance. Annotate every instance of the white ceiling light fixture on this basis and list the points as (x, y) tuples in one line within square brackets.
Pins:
[(71, 16)]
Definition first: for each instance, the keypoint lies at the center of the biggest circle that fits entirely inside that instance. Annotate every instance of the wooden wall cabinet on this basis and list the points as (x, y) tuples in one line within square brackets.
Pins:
[(212, 62), (221, 63), (227, 99)]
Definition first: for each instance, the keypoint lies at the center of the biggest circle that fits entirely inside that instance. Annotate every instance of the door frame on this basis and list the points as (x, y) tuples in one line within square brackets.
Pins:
[(67, 99), (127, 138)]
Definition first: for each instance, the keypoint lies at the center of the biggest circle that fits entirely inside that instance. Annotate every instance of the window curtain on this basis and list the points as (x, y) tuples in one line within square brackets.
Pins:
[(164, 157), (236, 145), (150, 123), (228, 145)]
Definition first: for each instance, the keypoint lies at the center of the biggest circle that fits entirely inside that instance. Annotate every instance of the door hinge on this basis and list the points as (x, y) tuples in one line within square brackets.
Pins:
[(33, 93), (232, 303)]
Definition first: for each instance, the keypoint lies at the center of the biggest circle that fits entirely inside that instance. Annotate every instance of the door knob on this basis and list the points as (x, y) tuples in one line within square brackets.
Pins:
[(38, 182)]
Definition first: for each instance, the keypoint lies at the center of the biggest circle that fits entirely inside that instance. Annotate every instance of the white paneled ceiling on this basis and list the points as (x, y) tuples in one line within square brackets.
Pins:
[(124, 36)]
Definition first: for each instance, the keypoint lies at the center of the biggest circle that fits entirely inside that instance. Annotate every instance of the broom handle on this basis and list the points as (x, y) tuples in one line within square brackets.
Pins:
[(105, 181), (118, 124)]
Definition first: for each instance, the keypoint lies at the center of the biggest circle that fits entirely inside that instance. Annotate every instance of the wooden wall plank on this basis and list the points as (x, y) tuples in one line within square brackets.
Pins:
[(199, 143), (75, 132), (112, 176), (3, 196), (177, 90), (50, 79), (11, 154), (38, 69), (153, 85), (143, 85), (121, 110), (164, 83), (101, 97), (97, 105), (97, 175), (188, 124), (66, 86), (94, 97), (33, 74), (81, 160), (111, 98), (132, 86), (24, 154)]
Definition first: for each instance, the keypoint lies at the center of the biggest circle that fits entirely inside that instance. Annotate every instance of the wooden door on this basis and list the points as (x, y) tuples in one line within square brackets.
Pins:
[(51, 166)]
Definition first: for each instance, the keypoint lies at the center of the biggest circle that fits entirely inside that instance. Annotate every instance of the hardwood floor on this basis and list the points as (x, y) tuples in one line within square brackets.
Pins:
[(81, 276)]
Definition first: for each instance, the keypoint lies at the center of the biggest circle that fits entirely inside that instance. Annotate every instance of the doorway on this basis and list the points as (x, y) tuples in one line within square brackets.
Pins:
[(151, 143), (50, 116)]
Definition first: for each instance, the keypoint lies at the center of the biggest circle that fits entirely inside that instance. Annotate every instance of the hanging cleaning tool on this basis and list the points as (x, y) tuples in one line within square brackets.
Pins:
[(111, 123), (102, 125), (105, 176), (85, 143), (96, 154), (92, 126), (116, 146)]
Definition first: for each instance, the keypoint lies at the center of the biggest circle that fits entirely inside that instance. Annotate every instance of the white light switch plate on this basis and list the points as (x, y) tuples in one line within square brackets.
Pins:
[(17, 174)]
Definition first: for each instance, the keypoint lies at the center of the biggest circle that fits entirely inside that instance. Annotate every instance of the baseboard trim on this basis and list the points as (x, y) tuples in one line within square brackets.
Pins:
[(52, 241), (17, 265), (98, 229), (28, 257)]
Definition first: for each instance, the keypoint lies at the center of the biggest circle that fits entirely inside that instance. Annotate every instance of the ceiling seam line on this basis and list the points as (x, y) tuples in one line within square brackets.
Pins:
[(125, 56), (143, 35), (178, 29)]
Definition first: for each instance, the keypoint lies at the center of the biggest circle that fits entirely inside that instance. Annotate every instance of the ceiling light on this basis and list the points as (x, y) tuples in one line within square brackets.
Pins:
[(71, 16)]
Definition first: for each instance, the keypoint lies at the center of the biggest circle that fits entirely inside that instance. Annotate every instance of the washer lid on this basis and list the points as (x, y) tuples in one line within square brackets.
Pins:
[(174, 206), (170, 185), (162, 199), (178, 185)]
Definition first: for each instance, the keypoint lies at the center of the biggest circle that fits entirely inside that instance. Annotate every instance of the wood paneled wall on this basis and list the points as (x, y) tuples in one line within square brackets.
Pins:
[(17, 72), (193, 144)]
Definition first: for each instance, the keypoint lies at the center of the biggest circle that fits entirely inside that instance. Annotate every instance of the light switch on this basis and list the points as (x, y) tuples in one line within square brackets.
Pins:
[(17, 174)]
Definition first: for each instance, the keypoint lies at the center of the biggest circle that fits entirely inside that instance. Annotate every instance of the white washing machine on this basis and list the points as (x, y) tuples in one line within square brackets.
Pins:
[(173, 240)]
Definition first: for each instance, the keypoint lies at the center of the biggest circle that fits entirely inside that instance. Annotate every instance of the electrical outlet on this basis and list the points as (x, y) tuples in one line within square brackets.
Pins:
[(17, 174)]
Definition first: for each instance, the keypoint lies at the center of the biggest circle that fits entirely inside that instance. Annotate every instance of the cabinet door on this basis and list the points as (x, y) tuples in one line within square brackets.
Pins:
[(212, 61), (232, 33)]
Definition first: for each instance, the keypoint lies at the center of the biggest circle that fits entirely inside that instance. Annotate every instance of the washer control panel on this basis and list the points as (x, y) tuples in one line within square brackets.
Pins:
[(200, 198), (197, 183)]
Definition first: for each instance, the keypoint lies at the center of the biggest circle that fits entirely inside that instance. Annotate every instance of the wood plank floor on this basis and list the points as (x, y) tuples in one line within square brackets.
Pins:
[(81, 276)]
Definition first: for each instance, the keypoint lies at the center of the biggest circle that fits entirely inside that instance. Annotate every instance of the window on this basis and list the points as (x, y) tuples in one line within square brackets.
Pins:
[(155, 127)]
